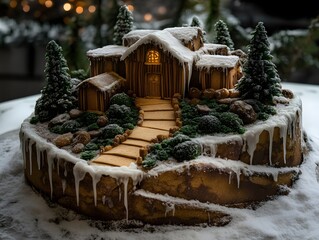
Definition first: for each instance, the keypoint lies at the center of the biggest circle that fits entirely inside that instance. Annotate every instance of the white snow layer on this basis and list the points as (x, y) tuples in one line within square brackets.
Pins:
[(107, 51), (219, 61)]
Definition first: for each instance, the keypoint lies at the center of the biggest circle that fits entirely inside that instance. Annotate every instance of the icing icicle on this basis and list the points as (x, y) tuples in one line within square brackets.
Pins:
[(30, 155), (271, 136), (283, 135), (252, 139), (79, 174)]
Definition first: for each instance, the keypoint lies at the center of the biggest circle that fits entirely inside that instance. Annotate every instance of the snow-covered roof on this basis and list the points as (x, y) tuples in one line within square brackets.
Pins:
[(184, 34), (104, 81), (107, 51), (208, 61), (166, 41), (135, 35), (214, 46)]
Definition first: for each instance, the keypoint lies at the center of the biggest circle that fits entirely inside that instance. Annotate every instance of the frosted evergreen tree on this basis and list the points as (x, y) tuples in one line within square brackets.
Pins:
[(56, 95), (196, 22), (261, 80), (222, 34), (124, 24)]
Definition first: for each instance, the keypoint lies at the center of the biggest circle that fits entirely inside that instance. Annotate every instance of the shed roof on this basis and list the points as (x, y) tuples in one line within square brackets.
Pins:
[(217, 61), (107, 51), (104, 82)]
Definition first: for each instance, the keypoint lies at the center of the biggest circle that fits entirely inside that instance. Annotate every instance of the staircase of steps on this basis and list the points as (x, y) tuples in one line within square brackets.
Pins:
[(159, 118)]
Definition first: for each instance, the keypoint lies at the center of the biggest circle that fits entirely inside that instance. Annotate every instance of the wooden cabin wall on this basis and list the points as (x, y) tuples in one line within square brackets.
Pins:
[(217, 78), (170, 69), (99, 65)]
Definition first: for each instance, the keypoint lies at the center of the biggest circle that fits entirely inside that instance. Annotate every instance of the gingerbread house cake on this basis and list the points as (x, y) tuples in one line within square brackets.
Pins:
[(166, 131)]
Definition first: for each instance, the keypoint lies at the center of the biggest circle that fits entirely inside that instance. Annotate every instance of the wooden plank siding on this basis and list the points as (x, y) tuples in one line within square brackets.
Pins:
[(218, 78), (173, 73), (101, 65)]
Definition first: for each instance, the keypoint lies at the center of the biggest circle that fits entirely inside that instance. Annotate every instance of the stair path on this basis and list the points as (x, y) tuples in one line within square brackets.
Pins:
[(159, 117)]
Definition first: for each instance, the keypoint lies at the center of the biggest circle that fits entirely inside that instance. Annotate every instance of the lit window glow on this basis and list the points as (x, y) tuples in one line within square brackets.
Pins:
[(152, 57)]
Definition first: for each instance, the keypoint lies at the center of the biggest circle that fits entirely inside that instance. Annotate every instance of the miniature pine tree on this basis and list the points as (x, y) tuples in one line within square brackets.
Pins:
[(56, 95), (124, 24), (261, 80), (196, 22), (222, 34)]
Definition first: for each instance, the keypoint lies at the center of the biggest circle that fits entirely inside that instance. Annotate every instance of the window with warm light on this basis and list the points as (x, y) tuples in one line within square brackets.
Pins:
[(152, 57)]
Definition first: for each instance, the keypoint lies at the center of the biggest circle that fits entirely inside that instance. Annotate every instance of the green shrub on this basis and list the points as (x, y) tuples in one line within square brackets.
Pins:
[(88, 155), (88, 118), (121, 99), (128, 126), (209, 124), (179, 138), (149, 161), (121, 114), (56, 129), (186, 151), (111, 130), (70, 126), (93, 126), (91, 146), (189, 130), (161, 155), (103, 142), (230, 122), (263, 116), (34, 119)]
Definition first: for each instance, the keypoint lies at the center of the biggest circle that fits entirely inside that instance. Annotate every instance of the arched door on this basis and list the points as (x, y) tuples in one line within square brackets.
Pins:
[(153, 85)]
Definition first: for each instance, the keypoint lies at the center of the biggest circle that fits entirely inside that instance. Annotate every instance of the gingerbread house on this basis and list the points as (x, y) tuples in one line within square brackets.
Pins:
[(160, 63)]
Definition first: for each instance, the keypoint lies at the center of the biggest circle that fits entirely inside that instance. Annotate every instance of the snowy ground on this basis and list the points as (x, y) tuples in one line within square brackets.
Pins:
[(26, 215)]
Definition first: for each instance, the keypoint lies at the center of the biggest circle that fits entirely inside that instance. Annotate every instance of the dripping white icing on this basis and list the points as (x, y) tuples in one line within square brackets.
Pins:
[(50, 158), (103, 199), (283, 135), (63, 185), (170, 207), (271, 136), (252, 139), (79, 174), (30, 155)]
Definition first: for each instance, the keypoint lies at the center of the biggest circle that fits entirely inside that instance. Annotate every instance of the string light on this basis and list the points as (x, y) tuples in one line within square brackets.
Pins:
[(13, 3), (48, 3), (130, 7), (67, 7), (91, 8), (79, 10), (148, 17), (26, 8)]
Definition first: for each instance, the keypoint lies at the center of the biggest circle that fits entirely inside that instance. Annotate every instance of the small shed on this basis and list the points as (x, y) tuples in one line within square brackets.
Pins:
[(218, 71), (107, 59), (95, 92)]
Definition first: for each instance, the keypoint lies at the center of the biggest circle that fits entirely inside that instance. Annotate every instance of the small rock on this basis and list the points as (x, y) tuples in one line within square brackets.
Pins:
[(209, 93), (82, 137), (177, 95), (58, 120), (227, 101), (203, 109), (77, 148), (63, 140), (244, 111), (281, 100), (194, 101), (222, 93), (194, 92), (75, 113), (102, 121), (234, 93), (287, 93), (94, 133)]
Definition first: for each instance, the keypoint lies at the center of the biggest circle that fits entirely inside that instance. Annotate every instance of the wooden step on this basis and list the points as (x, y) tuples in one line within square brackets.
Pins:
[(146, 134), (135, 142), (157, 124), (150, 101), (112, 160), (124, 151), (159, 115), (157, 107)]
